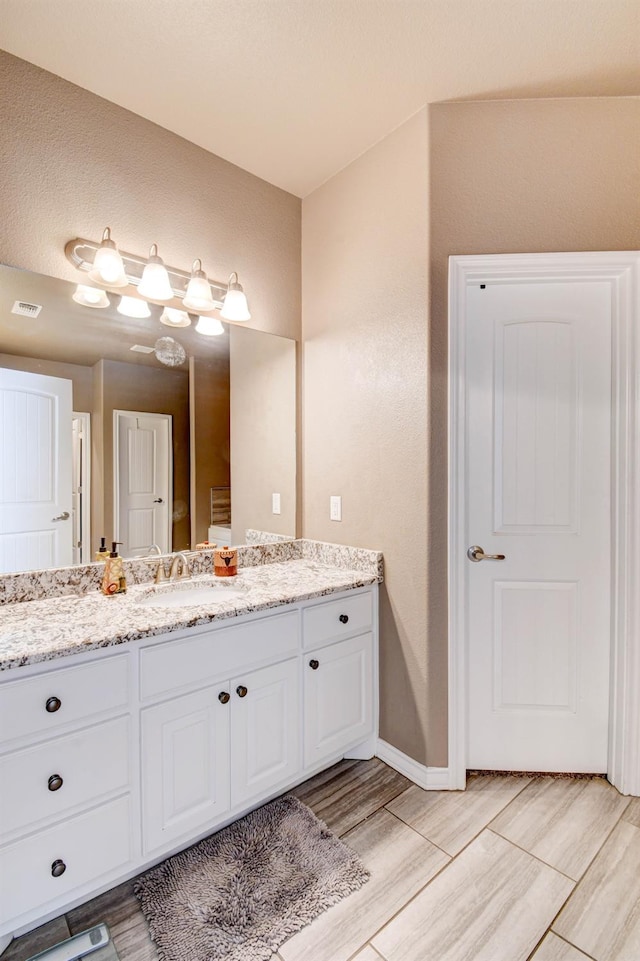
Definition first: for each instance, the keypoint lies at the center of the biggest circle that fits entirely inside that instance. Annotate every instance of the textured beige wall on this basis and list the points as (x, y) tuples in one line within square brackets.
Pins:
[(478, 177), (263, 432), (365, 297), (71, 163)]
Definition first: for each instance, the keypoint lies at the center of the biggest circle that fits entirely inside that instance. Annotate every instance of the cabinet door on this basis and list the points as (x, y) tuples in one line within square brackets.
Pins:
[(185, 765), (265, 730), (338, 690)]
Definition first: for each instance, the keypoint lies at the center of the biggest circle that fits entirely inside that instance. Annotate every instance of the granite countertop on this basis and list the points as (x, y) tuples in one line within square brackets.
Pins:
[(54, 627)]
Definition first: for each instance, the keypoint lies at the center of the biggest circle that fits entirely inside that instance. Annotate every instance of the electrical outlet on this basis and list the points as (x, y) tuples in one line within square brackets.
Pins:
[(275, 503), (335, 507)]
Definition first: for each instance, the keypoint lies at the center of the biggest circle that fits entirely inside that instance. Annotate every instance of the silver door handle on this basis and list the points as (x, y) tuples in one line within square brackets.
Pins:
[(62, 517), (476, 554)]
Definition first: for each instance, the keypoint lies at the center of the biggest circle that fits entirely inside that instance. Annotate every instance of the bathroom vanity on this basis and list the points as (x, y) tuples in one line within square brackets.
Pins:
[(127, 732)]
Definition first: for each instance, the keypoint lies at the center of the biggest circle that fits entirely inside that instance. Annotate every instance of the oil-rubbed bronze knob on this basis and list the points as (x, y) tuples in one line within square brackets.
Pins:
[(241, 690), (55, 782), (53, 704), (223, 697), (58, 868), (344, 618), (314, 665)]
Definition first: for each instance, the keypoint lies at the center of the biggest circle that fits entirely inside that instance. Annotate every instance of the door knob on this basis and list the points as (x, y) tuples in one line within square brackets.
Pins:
[(55, 782), (158, 500), (52, 705), (58, 868), (223, 697), (241, 690), (476, 554), (62, 517)]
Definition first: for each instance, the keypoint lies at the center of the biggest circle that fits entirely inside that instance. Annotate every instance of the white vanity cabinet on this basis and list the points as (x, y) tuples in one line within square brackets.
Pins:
[(114, 759)]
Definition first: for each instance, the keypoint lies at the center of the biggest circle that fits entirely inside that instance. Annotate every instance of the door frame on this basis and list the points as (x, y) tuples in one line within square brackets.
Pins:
[(118, 415), (85, 498), (622, 271)]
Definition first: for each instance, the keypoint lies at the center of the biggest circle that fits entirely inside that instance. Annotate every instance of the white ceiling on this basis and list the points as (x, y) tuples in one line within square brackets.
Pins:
[(293, 90)]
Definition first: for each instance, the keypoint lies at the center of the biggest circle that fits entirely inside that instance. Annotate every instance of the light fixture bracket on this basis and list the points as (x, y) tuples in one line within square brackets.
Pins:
[(81, 253)]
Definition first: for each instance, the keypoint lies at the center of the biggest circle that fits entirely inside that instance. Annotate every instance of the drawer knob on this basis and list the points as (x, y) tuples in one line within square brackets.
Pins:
[(314, 665), (223, 697), (53, 704), (241, 690), (55, 782), (344, 618), (58, 868)]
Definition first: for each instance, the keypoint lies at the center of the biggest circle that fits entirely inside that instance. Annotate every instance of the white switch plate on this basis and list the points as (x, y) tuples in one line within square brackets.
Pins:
[(335, 507), (275, 503)]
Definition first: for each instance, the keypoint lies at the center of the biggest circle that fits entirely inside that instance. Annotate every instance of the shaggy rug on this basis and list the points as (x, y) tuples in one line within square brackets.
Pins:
[(239, 894)]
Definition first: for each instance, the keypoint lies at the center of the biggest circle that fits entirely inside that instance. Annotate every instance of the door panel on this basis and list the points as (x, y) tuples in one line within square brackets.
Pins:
[(539, 408), (35, 474), (143, 481)]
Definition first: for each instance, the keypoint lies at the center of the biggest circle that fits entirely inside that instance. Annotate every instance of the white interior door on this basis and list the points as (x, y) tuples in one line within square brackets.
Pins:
[(35, 474), (143, 481), (538, 492)]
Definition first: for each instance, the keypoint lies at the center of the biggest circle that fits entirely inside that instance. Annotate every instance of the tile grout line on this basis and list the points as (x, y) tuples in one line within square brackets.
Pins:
[(536, 858)]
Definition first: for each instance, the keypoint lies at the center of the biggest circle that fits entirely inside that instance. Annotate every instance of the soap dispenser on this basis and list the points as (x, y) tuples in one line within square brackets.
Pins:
[(114, 581), (102, 553)]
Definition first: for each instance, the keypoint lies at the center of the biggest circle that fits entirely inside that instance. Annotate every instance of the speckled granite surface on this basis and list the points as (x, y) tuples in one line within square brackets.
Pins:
[(252, 536), (50, 628), (80, 580)]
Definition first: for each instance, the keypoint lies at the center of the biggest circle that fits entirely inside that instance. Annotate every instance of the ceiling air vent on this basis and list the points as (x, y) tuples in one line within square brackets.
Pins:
[(141, 349), (23, 309)]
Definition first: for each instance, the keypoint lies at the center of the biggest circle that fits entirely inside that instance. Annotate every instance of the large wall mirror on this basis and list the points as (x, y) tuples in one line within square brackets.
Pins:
[(105, 433)]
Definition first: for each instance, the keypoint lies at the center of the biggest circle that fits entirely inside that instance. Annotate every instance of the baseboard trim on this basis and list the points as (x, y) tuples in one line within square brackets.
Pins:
[(428, 778)]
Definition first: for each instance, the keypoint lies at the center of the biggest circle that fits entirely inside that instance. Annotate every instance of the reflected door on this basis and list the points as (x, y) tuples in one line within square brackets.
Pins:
[(35, 471), (143, 481), (539, 409)]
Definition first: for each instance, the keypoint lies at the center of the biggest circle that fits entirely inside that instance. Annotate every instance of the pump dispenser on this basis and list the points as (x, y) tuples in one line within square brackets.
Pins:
[(114, 581), (102, 553)]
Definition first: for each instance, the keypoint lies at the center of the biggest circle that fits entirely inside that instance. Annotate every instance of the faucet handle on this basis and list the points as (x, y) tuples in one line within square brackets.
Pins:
[(161, 574)]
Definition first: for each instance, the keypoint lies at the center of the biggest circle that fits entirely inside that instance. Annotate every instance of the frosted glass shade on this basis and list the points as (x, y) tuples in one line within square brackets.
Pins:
[(155, 284), (235, 305), (209, 326), (90, 297), (108, 268), (131, 307), (175, 318), (198, 296)]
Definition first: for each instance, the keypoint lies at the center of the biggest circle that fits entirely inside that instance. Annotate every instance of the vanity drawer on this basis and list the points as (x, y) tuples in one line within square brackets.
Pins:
[(90, 846), (172, 665), (333, 619), (89, 764), (42, 704)]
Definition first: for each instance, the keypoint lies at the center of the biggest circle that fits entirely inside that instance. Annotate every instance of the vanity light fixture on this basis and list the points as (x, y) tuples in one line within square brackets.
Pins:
[(235, 305), (175, 318), (198, 296), (90, 296), (155, 284), (108, 268), (132, 307), (209, 326)]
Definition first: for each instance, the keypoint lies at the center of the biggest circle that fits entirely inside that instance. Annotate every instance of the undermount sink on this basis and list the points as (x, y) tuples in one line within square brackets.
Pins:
[(191, 594)]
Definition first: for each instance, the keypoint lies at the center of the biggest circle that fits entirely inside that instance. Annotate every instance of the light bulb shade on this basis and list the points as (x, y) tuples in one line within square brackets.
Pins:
[(108, 268), (175, 318), (155, 283), (132, 307), (169, 352), (235, 305), (90, 297), (209, 326), (198, 296)]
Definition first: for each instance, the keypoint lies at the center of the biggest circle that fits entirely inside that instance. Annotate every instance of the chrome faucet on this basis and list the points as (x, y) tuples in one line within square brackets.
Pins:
[(153, 549), (179, 562)]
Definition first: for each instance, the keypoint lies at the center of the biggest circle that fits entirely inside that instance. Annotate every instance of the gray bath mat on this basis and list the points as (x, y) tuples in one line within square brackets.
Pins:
[(241, 893)]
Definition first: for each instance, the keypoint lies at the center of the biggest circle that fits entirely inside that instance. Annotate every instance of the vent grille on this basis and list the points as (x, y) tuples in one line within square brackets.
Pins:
[(142, 350), (23, 309)]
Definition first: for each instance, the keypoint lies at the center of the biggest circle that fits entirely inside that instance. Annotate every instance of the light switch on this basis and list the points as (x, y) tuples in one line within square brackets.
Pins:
[(275, 503), (335, 507)]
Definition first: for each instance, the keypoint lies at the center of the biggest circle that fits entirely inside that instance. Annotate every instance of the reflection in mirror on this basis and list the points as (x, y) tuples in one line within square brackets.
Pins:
[(100, 438)]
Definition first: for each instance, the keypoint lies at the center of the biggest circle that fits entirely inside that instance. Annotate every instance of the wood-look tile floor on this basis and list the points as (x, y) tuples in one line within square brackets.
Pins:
[(513, 869)]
